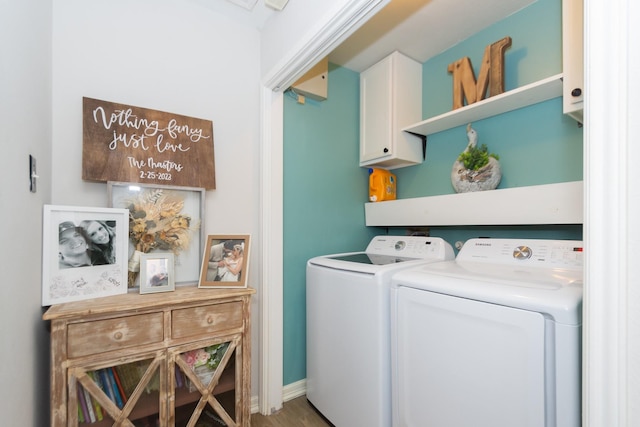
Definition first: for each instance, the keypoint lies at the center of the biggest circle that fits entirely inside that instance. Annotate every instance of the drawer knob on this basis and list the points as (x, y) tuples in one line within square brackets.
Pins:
[(118, 335), (210, 320)]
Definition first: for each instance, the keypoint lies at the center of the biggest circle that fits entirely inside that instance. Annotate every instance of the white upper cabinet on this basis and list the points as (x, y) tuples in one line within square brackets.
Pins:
[(573, 58), (390, 99)]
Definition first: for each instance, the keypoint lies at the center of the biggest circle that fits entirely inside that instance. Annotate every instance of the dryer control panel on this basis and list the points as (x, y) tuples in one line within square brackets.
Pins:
[(418, 247), (529, 252)]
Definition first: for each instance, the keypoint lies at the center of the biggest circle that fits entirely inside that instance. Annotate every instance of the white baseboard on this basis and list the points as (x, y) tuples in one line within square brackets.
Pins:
[(293, 390), (289, 392), (255, 408)]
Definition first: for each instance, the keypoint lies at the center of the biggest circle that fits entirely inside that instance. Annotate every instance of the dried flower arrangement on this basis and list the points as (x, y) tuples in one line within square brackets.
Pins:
[(156, 222)]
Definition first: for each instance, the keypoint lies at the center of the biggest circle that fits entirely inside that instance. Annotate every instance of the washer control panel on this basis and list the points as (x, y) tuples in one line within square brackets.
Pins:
[(417, 247), (529, 252)]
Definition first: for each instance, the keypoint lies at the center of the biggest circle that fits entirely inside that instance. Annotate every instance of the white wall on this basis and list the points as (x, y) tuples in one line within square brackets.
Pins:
[(611, 346), (169, 55), (25, 128)]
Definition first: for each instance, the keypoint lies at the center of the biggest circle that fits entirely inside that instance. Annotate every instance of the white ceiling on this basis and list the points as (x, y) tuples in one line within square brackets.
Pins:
[(420, 29), (249, 12)]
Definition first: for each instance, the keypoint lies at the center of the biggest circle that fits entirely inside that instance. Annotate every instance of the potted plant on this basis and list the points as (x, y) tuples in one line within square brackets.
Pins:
[(475, 169)]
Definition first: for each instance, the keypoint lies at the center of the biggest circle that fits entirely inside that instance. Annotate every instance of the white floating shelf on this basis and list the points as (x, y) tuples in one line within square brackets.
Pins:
[(560, 203), (530, 94)]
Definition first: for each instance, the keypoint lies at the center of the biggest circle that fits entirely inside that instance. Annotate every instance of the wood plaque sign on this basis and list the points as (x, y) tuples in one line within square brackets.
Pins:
[(132, 144)]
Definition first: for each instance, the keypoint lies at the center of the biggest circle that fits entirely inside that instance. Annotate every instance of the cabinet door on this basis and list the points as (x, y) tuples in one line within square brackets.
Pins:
[(127, 394), (204, 383), (390, 99), (375, 111), (573, 58)]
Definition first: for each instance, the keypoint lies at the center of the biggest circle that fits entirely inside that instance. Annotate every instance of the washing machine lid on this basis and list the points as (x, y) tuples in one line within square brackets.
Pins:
[(371, 259), (547, 278), (386, 253)]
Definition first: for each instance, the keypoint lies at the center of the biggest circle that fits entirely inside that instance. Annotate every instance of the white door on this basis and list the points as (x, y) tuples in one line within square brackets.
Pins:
[(464, 363)]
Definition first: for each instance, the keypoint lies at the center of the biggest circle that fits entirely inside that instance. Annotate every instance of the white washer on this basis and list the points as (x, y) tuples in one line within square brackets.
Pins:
[(491, 338), (348, 327)]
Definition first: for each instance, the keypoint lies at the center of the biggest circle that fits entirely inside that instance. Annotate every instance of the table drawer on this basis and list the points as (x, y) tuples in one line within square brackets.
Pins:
[(113, 334), (206, 319)]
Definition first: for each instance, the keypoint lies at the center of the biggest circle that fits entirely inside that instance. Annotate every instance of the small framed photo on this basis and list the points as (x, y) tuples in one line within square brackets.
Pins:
[(225, 262), (162, 219), (157, 272), (84, 253)]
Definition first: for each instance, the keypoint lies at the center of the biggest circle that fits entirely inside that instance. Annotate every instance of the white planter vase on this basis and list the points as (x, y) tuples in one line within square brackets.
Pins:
[(466, 180)]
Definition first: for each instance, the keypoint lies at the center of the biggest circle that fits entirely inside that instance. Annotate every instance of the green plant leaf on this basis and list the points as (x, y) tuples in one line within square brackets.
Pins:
[(475, 158)]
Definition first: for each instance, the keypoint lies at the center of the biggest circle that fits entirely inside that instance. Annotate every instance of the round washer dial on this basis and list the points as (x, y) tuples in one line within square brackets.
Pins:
[(400, 244), (522, 252)]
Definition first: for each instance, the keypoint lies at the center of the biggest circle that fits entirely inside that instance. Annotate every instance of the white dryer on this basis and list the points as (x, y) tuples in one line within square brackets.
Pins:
[(489, 339), (348, 327)]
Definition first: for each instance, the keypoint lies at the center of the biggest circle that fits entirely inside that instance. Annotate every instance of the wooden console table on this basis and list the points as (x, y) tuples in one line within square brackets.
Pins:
[(135, 358)]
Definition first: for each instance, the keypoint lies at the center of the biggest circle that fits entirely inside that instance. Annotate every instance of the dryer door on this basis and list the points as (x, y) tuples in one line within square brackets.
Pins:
[(459, 362)]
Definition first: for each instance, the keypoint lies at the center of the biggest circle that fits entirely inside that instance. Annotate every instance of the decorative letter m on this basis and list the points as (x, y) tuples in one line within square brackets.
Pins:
[(491, 75)]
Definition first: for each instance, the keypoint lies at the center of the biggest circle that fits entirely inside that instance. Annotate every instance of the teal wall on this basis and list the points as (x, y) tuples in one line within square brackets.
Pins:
[(324, 195), (325, 189), (536, 144)]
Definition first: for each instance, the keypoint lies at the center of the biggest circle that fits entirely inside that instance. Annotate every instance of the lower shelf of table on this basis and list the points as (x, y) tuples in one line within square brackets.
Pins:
[(147, 406)]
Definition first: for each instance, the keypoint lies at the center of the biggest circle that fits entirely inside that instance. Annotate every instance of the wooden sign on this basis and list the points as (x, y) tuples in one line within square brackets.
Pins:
[(491, 75), (132, 144)]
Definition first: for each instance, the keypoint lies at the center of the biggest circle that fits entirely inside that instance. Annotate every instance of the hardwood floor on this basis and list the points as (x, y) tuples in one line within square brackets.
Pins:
[(297, 412)]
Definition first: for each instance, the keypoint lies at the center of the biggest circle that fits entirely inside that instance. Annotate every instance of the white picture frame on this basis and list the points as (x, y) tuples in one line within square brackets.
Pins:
[(187, 261), (157, 272), (74, 267)]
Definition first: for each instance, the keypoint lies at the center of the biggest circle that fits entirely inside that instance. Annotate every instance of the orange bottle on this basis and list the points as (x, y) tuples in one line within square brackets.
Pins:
[(382, 185)]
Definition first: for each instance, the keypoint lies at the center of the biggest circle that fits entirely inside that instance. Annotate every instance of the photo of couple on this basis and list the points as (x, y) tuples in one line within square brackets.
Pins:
[(225, 261), (82, 257), (91, 242)]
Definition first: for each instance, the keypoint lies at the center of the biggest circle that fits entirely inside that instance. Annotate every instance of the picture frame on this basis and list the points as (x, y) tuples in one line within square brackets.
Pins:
[(84, 253), (225, 262), (162, 206), (157, 272)]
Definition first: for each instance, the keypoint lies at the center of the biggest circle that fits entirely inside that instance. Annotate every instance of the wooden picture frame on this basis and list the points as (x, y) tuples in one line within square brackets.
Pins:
[(157, 272), (84, 253), (225, 262), (162, 205)]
